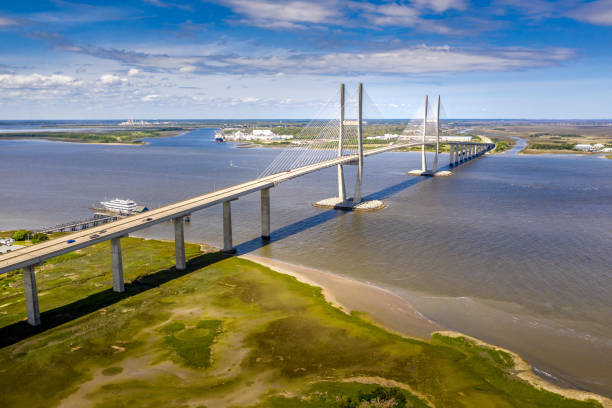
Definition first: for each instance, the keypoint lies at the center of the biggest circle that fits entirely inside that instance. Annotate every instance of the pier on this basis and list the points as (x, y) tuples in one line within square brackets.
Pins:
[(97, 220)]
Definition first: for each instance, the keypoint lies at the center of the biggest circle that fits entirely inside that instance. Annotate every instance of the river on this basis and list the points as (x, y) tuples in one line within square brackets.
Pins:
[(515, 250)]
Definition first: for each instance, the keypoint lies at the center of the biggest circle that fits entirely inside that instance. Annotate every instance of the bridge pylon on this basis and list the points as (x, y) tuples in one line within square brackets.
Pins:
[(341, 201), (424, 171)]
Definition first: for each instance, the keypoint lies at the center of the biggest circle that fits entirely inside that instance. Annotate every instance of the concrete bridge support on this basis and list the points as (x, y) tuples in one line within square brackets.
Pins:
[(228, 247), (359, 182), (31, 295), (179, 243), (451, 153), (265, 213), (117, 265), (423, 156), (435, 163), (341, 185)]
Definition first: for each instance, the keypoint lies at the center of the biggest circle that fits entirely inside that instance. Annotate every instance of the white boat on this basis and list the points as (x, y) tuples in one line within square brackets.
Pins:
[(121, 206)]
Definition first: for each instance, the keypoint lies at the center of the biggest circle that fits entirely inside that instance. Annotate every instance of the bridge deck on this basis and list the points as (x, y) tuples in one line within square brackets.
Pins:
[(40, 252)]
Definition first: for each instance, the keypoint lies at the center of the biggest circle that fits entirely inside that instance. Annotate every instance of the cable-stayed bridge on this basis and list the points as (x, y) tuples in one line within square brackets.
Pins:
[(327, 143)]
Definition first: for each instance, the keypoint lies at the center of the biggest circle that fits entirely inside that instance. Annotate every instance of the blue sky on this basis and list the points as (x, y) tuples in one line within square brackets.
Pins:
[(284, 59)]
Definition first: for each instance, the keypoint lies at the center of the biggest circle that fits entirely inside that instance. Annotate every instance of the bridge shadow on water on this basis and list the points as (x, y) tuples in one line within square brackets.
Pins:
[(16, 332), (321, 218)]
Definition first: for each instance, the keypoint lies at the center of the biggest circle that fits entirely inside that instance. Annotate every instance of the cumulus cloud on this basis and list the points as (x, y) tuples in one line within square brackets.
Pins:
[(133, 72), (112, 79), (15, 81)]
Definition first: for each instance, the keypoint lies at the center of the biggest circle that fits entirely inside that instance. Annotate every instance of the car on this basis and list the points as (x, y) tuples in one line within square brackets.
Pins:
[(94, 236), (148, 219), (70, 241), (101, 231)]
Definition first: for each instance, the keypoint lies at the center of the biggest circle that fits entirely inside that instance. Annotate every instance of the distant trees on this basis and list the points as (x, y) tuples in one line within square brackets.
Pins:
[(24, 235)]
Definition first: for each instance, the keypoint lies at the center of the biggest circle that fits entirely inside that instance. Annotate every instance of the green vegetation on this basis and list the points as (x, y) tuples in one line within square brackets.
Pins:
[(226, 332), (551, 146), (22, 235), (27, 235), (501, 145), (110, 136)]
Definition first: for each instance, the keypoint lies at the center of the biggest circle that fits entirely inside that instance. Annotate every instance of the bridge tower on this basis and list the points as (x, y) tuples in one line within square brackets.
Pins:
[(341, 185), (351, 130), (358, 182), (435, 163)]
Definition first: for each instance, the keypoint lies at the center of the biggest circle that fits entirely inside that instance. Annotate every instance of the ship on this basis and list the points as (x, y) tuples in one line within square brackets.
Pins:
[(122, 207), (219, 138)]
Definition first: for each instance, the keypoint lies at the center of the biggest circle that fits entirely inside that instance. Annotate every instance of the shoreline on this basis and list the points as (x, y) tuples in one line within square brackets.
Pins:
[(396, 314)]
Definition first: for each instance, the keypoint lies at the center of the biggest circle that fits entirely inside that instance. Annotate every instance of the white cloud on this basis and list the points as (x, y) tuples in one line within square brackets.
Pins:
[(150, 98), (112, 79), (412, 60), (284, 14), (597, 12), (393, 15), (36, 81), (187, 69), (133, 72), (441, 6)]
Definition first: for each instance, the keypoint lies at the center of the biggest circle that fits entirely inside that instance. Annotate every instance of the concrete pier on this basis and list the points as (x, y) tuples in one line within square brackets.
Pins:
[(31, 295), (341, 185), (117, 264), (265, 213), (228, 247), (179, 243), (450, 156), (359, 181)]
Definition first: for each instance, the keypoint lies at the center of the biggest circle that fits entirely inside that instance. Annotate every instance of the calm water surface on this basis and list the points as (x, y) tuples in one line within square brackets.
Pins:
[(516, 250)]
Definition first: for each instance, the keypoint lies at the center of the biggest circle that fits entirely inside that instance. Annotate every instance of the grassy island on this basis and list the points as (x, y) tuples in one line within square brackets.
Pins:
[(110, 136), (227, 332)]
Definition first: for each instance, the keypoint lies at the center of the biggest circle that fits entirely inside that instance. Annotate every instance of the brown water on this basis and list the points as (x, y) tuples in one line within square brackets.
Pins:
[(515, 250)]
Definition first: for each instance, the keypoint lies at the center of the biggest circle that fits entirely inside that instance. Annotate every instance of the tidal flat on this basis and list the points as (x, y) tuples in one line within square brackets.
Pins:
[(228, 332)]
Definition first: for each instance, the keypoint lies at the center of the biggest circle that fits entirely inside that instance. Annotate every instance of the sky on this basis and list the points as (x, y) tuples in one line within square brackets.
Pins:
[(200, 59)]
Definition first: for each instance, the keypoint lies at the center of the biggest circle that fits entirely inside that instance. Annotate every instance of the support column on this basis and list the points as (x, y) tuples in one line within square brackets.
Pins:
[(265, 213), (357, 196), (179, 243), (31, 295), (451, 152), (341, 186), (423, 156), (435, 164), (228, 248), (117, 263)]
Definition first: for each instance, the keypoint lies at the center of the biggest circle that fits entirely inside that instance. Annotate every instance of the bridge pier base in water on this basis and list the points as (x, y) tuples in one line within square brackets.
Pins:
[(265, 213), (31, 295), (117, 265), (228, 247), (179, 243)]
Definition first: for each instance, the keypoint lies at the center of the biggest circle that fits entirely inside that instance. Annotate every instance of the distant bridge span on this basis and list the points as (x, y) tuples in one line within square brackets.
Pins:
[(29, 257)]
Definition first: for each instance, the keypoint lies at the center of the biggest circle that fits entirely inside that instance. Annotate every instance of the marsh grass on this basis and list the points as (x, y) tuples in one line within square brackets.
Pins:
[(225, 332)]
